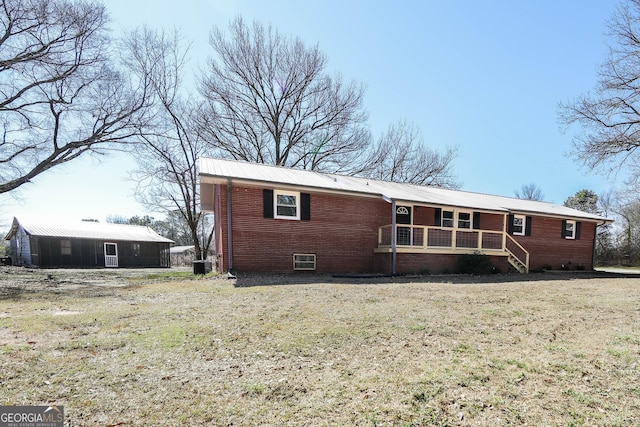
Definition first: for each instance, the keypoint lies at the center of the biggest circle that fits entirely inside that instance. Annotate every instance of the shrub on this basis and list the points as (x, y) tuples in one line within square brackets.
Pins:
[(475, 263)]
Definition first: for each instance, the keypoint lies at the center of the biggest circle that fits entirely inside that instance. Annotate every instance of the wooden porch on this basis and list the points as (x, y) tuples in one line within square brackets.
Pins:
[(443, 240)]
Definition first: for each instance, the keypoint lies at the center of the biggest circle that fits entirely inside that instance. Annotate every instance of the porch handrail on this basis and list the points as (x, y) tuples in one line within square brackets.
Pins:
[(421, 236), (516, 250), (432, 237)]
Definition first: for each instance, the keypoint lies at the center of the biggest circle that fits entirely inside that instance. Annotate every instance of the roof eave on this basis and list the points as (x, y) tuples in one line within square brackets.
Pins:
[(217, 179)]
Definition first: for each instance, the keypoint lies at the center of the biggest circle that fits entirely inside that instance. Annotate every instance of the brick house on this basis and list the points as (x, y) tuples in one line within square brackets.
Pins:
[(277, 219)]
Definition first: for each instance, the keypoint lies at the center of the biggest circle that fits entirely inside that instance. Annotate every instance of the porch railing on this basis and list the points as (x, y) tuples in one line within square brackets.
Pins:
[(425, 238), (518, 256)]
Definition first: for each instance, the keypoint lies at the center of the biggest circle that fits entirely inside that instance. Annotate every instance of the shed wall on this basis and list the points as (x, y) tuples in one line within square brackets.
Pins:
[(20, 248), (47, 252)]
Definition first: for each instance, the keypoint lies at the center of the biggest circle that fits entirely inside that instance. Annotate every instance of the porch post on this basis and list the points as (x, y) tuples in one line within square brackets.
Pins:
[(505, 231), (393, 237)]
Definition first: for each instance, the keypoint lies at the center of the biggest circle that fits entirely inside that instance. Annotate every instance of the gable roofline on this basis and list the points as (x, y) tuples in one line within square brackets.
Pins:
[(218, 171), (87, 230)]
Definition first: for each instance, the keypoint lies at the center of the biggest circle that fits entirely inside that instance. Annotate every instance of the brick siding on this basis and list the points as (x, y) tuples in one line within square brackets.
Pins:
[(343, 232), (420, 263), (548, 249)]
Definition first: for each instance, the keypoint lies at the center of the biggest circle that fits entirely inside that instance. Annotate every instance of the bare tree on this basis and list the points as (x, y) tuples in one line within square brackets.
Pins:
[(270, 100), (60, 95), (400, 155), (610, 117), (529, 192), (607, 249), (624, 206), (167, 173), (175, 228)]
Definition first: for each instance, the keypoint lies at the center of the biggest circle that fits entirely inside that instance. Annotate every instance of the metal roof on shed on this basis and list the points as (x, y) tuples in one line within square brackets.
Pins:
[(87, 230), (218, 170)]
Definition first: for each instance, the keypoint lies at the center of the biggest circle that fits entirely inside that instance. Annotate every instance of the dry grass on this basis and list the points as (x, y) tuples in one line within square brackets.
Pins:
[(327, 352)]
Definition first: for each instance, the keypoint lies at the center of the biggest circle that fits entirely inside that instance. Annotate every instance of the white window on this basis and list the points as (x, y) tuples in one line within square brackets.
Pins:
[(519, 222), (464, 219), (570, 230), (135, 248), (65, 247), (287, 205), (304, 261), (110, 249), (447, 218)]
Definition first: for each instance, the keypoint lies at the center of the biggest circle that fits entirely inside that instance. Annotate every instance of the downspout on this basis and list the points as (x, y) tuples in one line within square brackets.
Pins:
[(393, 238), (593, 248), (595, 242), (217, 209), (229, 227)]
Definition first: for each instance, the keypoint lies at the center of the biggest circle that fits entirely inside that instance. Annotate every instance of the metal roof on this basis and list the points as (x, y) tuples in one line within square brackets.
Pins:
[(87, 230), (217, 170), (181, 249)]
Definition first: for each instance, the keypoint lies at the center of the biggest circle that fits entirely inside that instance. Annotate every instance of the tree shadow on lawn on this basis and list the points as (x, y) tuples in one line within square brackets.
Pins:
[(271, 279)]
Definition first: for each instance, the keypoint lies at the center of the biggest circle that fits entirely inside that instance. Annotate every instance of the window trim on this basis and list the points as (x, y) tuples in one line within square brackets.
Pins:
[(452, 219), (297, 262), (470, 220), (570, 235), (524, 225), (295, 194), (115, 248)]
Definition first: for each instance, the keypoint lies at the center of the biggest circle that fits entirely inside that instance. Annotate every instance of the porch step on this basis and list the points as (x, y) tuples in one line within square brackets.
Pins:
[(517, 264)]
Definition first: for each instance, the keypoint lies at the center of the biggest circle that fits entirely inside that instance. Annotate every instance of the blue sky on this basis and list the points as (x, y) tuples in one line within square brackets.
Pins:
[(485, 76)]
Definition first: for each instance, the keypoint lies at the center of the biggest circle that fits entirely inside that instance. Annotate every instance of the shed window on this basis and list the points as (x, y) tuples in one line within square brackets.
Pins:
[(304, 261), (135, 248), (65, 247)]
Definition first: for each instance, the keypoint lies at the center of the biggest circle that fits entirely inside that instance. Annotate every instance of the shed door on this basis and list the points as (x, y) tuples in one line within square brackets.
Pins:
[(110, 254)]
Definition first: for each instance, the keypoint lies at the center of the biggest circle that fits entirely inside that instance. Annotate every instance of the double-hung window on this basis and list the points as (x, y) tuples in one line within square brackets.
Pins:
[(447, 218), (287, 204), (570, 230), (519, 223), (464, 219)]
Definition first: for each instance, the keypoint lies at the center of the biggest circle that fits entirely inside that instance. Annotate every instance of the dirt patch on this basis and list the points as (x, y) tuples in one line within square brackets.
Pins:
[(19, 280)]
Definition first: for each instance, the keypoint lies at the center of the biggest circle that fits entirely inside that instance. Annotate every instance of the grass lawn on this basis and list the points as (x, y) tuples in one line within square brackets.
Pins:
[(171, 351)]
